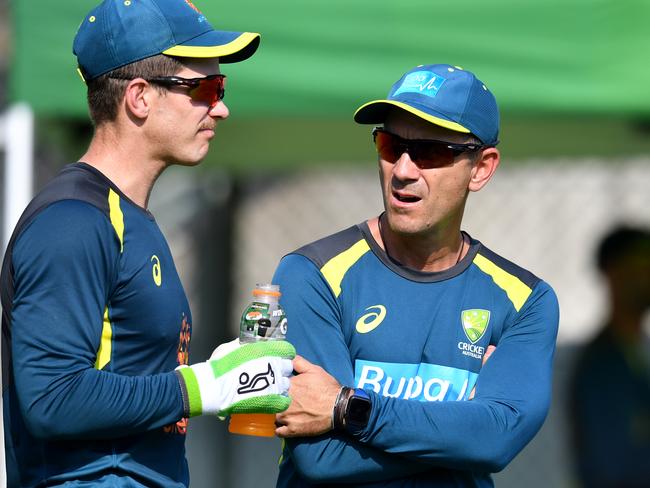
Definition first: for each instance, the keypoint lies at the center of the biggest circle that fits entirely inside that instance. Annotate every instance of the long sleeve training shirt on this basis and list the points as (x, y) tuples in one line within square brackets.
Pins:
[(95, 320), (415, 342)]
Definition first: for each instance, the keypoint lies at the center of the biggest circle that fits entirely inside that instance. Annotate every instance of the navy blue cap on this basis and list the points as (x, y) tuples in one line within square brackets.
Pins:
[(120, 32), (444, 95)]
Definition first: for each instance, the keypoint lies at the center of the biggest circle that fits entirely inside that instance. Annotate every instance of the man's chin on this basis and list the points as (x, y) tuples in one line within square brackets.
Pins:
[(405, 224), (188, 163), (194, 159)]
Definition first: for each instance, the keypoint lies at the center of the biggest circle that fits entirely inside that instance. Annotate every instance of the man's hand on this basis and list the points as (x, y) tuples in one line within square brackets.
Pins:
[(313, 392), (253, 378), (488, 352)]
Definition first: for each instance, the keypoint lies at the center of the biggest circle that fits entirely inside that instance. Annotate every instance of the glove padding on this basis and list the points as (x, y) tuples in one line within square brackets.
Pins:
[(250, 378)]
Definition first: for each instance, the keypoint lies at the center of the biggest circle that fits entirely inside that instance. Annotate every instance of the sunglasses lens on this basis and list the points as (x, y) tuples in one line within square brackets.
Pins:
[(388, 147), (425, 154), (428, 155), (210, 90)]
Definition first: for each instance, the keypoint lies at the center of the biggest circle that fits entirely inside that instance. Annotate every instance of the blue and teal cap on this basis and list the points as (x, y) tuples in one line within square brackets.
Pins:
[(120, 32), (444, 95)]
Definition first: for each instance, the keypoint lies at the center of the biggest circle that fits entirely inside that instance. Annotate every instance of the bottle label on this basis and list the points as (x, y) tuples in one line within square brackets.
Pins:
[(262, 321)]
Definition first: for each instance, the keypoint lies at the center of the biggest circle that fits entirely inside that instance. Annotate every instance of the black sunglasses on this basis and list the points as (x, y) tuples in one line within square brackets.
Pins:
[(425, 153), (209, 89)]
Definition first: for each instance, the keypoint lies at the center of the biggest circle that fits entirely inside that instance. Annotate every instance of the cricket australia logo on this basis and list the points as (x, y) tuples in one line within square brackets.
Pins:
[(474, 322)]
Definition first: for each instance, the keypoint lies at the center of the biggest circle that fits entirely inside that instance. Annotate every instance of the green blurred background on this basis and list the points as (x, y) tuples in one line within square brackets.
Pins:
[(567, 74)]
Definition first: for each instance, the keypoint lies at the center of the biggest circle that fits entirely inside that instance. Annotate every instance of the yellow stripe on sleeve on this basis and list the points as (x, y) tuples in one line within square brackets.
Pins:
[(106, 344), (517, 291), (117, 217), (334, 270)]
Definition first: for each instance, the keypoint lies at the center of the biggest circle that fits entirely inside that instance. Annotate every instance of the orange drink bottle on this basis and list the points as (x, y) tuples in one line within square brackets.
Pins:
[(262, 320)]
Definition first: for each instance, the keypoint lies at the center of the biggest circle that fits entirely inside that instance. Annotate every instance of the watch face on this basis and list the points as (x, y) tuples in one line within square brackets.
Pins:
[(358, 411)]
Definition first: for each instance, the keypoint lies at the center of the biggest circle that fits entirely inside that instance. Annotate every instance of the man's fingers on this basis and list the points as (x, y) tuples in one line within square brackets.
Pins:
[(488, 352), (301, 365), (286, 367)]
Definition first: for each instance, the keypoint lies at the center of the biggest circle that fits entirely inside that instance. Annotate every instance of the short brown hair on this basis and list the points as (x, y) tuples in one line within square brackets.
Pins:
[(106, 92)]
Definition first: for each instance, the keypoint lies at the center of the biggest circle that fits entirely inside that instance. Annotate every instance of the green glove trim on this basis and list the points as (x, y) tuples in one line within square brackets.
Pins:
[(193, 392), (254, 350), (260, 404)]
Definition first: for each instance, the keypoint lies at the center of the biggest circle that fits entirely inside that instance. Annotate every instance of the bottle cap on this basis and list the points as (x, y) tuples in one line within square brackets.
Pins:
[(267, 289)]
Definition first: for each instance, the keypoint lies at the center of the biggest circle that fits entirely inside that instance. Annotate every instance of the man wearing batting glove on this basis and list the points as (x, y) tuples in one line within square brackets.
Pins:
[(252, 378), (95, 321)]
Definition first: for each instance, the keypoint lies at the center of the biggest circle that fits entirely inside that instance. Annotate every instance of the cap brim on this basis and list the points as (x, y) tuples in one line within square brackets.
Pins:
[(375, 113), (229, 47)]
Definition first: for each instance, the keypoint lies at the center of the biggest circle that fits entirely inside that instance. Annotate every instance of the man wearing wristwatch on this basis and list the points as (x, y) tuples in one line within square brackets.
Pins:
[(395, 317)]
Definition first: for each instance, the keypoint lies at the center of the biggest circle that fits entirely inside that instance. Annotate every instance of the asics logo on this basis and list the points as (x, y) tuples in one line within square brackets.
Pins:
[(156, 270), (371, 320), (259, 382)]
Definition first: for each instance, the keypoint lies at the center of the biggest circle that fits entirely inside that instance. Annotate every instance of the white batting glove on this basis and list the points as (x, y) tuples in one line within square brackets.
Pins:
[(250, 378)]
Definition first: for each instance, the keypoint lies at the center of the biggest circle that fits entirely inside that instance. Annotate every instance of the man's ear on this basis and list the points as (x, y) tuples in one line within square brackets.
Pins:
[(484, 168), (137, 98)]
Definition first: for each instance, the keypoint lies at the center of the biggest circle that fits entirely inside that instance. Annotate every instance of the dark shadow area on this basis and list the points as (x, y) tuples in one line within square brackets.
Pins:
[(609, 390), (208, 442)]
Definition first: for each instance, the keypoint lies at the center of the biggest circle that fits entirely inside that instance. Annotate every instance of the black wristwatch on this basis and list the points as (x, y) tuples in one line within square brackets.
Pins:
[(357, 411), (352, 409)]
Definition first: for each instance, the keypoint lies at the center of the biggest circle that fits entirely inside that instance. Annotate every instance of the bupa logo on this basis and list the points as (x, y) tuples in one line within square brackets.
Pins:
[(423, 382), (474, 322), (422, 82)]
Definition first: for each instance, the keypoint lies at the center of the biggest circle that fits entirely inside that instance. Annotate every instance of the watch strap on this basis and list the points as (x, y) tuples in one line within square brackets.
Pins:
[(340, 406)]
